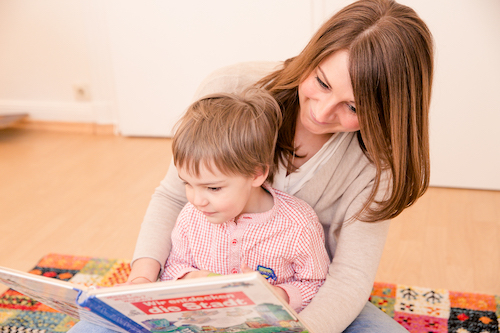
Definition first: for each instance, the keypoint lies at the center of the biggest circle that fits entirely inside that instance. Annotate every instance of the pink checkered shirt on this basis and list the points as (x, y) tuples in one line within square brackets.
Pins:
[(287, 243)]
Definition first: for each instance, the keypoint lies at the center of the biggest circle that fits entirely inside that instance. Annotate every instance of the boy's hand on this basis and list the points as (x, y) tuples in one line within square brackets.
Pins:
[(196, 274), (281, 292)]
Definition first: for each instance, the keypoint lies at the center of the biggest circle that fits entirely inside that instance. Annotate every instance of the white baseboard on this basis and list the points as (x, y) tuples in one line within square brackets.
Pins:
[(86, 112)]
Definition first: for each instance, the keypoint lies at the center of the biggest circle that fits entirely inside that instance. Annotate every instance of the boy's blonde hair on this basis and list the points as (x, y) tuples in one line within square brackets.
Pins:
[(236, 133)]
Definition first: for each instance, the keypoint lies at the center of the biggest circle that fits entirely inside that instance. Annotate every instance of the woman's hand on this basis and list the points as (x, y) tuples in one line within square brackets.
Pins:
[(281, 292), (144, 270)]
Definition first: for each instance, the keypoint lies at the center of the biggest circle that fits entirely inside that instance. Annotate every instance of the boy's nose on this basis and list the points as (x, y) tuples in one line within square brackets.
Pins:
[(199, 200)]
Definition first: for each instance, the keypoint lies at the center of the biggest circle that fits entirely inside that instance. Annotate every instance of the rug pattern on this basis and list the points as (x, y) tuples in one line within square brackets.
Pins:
[(418, 309)]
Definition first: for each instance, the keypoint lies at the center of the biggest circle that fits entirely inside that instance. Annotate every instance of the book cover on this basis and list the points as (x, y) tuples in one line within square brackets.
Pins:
[(226, 303)]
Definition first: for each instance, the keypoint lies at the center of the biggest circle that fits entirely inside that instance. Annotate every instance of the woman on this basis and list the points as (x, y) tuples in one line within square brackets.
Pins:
[(354, 145)]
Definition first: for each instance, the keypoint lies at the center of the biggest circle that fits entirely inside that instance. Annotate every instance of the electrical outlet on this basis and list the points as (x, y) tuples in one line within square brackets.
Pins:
[(82, 92)]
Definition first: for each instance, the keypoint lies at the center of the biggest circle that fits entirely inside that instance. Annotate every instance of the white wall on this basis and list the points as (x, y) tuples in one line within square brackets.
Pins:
[(44, 53), (161, 50), (142, 60), (465, 113)]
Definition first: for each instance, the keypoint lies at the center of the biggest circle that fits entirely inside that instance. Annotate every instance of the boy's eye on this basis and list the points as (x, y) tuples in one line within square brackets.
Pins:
[(214, 189), (321, 83)]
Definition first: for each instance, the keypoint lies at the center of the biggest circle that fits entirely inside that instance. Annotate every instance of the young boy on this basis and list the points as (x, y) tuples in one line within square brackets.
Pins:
[(234, 222)]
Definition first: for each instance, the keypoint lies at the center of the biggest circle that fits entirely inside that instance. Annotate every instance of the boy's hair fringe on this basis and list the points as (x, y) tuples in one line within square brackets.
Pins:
[(235, 133)]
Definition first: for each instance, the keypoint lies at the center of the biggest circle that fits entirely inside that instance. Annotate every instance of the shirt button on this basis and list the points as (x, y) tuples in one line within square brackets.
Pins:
[(234, 242), (234, 271)]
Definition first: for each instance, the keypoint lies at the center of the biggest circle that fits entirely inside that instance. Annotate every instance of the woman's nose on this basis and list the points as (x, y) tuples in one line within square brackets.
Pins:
[(325, 111)]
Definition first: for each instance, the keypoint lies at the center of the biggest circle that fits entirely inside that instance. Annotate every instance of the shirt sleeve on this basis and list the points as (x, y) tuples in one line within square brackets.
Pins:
[(310, 266), (180, 261)]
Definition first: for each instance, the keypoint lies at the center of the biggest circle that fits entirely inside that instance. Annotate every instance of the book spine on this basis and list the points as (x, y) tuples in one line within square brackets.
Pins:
[(110, 314)]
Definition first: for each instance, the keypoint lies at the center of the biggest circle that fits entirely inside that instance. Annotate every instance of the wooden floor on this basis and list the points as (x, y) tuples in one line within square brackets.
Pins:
[(86, 194)]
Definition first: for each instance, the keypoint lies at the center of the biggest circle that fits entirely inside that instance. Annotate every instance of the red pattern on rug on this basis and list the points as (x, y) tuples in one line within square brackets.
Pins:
[(418, 309)]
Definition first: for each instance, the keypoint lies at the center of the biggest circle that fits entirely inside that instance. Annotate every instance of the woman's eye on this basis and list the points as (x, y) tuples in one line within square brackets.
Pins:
[(352, 108), (321, 83)]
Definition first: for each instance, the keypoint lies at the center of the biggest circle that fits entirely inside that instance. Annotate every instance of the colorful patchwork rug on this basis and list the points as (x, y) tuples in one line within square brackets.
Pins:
[(418, 309)]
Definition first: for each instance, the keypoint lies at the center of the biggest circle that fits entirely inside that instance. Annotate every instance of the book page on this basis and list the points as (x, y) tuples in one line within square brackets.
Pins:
[(59, 295), (223, 303)]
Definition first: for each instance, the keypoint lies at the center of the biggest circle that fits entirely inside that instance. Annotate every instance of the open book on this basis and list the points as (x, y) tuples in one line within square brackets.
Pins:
[(226, 303)]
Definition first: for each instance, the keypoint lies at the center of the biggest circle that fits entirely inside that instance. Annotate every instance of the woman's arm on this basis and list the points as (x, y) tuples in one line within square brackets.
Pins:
[(153, 244), (337, 192), (144, 270), (350, 277)]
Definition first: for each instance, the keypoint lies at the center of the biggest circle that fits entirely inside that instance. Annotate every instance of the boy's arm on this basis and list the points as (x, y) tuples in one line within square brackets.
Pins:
[(280, 291), (180, 262), (311, 267)]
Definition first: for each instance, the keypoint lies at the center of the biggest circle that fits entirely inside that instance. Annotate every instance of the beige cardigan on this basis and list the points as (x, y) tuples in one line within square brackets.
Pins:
[(336, 192)]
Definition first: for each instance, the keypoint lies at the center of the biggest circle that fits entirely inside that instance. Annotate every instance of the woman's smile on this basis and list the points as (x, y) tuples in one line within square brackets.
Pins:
[(313, 117)]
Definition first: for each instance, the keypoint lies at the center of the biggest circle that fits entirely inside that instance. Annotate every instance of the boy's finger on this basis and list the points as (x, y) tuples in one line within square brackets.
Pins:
[(245, 268)]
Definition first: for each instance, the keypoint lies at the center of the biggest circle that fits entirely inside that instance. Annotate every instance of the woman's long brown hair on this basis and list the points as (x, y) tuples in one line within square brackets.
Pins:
[(391, 67)]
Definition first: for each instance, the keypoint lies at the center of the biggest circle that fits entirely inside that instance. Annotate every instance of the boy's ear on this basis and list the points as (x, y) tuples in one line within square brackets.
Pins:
[(260, 177)]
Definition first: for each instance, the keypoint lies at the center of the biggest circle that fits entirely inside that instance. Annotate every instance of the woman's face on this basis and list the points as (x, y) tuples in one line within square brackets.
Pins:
[(326, 97)]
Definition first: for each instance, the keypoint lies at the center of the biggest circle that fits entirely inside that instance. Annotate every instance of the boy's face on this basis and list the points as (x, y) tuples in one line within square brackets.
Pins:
[(220, 197)]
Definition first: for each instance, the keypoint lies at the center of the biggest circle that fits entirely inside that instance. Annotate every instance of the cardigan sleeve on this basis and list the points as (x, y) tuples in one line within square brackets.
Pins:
[(166, 203), (350, 278), (356, 248)]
